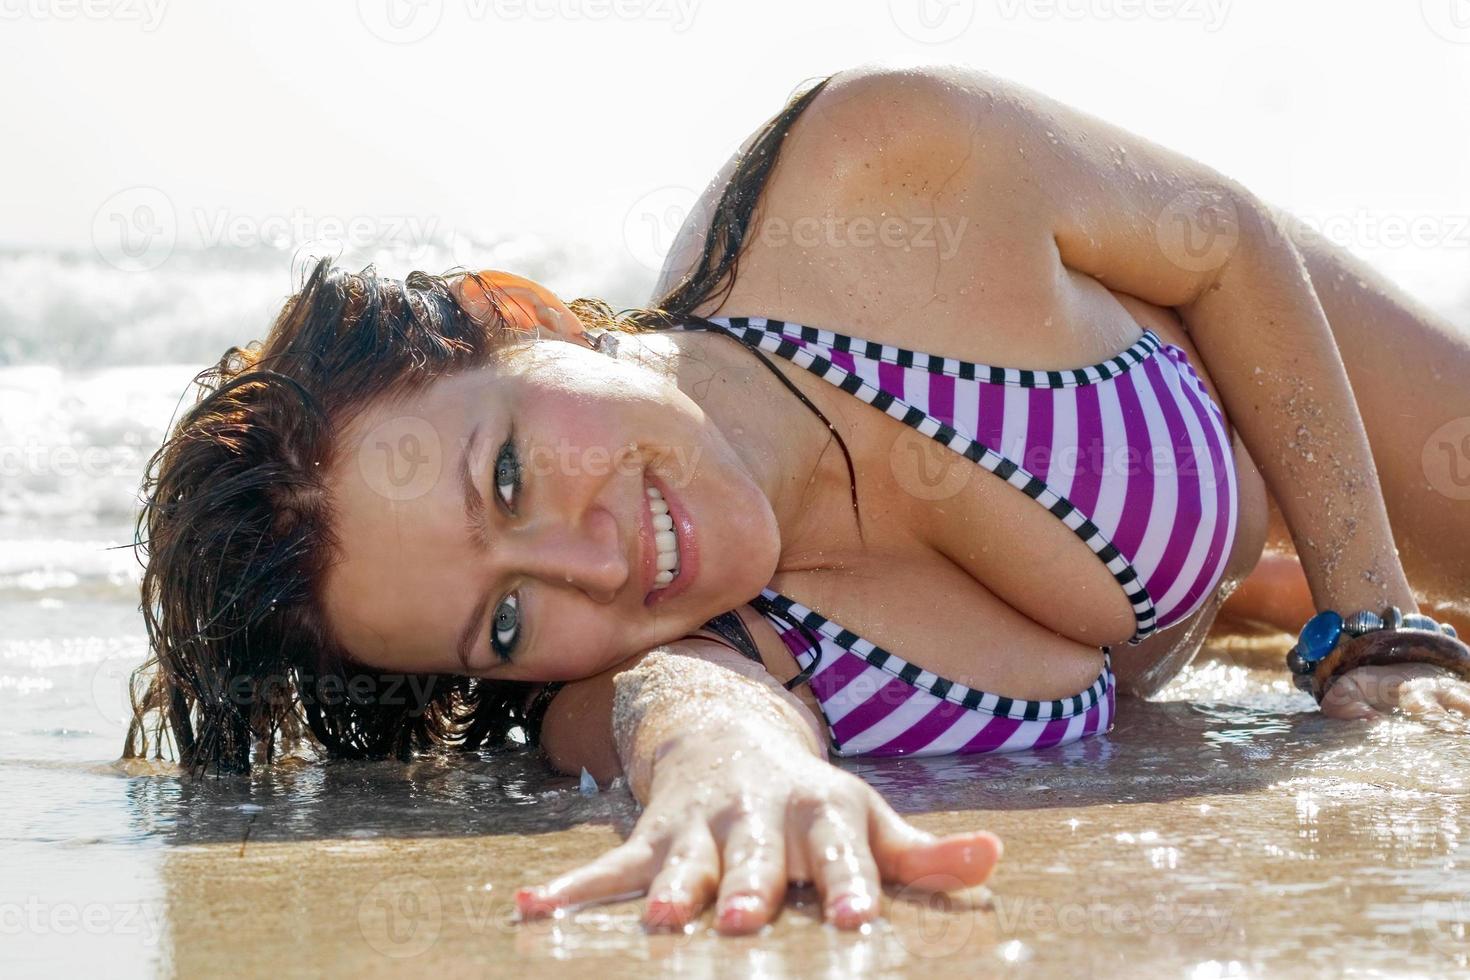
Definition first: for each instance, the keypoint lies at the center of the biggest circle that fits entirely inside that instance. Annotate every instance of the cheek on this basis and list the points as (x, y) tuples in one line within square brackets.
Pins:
[(575, 639), (582, 432), (583, 418)]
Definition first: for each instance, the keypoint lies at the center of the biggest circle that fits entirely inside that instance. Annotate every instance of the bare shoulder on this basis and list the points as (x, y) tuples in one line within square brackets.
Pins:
[(912, 112), (919, 117), (891, 213)]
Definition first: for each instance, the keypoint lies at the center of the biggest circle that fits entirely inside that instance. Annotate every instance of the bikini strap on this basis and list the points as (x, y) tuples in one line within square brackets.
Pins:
[(729, 627)]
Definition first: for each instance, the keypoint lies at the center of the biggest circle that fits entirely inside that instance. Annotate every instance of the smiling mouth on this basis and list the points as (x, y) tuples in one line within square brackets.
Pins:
[(665, 539)]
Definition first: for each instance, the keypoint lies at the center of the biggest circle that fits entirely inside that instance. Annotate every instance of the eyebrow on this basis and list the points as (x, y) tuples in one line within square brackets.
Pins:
[(474, 511)]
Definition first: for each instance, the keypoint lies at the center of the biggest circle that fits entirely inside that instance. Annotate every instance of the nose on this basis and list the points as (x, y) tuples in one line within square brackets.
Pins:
[(587, 555)]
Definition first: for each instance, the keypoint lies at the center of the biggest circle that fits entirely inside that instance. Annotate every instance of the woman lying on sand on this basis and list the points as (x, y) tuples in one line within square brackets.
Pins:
[(997, 407)]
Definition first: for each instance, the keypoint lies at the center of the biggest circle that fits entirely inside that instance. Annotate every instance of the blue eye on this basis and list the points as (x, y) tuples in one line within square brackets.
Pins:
[(508, 474), (505, 625)]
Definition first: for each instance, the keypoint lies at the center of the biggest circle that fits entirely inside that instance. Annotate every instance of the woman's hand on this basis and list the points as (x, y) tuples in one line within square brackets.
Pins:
[(733, 823), (1424, 692)]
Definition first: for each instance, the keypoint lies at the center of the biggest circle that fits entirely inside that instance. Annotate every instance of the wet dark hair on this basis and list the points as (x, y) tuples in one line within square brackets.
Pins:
[(235, 533)]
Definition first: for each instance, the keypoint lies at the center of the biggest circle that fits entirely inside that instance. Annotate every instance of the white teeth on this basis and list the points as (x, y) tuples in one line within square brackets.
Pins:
[(665, 540)]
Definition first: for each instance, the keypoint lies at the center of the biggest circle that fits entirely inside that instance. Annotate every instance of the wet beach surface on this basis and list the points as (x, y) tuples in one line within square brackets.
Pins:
[(1225, 829)]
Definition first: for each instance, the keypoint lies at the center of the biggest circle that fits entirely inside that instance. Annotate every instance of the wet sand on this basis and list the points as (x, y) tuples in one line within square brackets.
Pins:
[(1225, 829)]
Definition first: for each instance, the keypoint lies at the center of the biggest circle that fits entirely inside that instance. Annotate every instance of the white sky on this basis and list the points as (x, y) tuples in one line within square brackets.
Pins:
[(586, 119)]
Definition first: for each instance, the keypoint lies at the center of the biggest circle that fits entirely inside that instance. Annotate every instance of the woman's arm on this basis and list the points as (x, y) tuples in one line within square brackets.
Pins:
[(578, 732), (738, 800), (1060, 189)]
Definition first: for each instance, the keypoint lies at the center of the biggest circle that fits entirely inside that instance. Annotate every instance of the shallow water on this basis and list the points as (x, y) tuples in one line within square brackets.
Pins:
[(1225, 829)]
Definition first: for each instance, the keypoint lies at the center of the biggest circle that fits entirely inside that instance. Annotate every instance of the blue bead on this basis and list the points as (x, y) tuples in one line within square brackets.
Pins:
[(1319, 636)]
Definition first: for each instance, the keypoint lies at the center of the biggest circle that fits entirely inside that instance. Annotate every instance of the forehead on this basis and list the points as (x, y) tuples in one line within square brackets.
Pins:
[(398, 519)]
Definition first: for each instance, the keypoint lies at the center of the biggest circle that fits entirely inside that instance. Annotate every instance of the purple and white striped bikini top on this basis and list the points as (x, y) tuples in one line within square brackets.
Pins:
[(1130, 453)]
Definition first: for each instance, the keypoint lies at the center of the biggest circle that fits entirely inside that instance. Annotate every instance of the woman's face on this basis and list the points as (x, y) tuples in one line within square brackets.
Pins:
[(498, 522)]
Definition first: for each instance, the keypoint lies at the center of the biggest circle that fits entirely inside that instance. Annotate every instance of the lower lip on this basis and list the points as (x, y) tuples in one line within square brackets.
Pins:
[(688, 547)]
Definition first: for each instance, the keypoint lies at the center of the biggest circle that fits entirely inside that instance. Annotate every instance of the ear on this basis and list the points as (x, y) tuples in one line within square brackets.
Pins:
[(526, 305)]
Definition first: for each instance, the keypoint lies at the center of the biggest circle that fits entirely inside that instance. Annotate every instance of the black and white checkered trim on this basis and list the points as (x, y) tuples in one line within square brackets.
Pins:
[(768, 335), (968, 370), (772, 602)]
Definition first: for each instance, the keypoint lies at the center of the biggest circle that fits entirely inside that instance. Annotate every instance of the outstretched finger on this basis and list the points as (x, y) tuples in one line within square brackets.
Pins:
[(1436, 707), (841, 861), (687, 882), (1454, 697), (911, 856), (1346, 700), (753, 875), (622, 872)]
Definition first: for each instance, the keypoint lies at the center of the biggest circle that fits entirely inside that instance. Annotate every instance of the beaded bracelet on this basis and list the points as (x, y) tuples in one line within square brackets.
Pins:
[(1318, 658)]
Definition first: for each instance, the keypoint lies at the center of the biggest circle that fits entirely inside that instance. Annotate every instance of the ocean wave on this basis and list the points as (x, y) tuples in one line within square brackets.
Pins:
[(74, 443), (75, 309)]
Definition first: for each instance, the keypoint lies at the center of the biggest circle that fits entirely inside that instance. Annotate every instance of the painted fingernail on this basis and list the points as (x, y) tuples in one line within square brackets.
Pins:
[(664, 911), (848, 908), (534, 901), (736, 908), (742, 903)]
